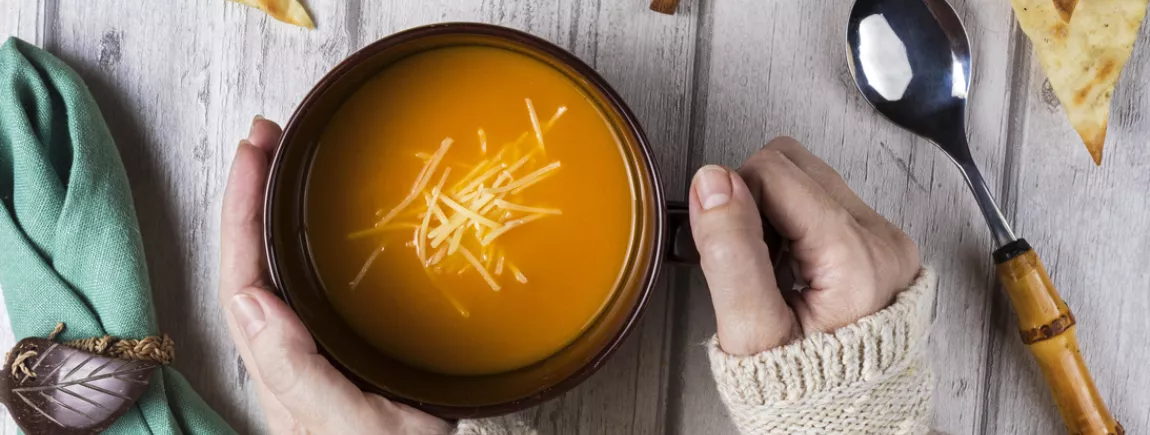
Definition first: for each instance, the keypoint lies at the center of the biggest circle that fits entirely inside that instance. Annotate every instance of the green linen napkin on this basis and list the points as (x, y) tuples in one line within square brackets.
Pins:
[(70, 247)]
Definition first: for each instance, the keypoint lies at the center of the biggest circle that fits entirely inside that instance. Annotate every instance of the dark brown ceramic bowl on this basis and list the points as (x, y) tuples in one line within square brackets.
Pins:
[(455, 396)]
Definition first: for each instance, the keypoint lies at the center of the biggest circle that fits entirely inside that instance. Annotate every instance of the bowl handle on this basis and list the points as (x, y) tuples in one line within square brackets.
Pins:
[(682, 248)]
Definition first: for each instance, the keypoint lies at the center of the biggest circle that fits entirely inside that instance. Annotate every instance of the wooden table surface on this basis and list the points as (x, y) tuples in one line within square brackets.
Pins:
[(179, 81)]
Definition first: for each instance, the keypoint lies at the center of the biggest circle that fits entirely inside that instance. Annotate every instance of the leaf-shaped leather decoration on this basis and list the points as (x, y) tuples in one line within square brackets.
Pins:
[(73, 392)]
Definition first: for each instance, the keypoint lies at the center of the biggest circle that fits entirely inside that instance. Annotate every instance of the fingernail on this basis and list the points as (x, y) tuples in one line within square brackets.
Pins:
[(713, 184), (244, 142), (252, 130), (248, 313)]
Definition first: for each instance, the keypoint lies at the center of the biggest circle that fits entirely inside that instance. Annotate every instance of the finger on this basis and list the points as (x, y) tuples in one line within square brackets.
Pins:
[(826, 177), (241, 242), (749, 310), (241, 239), (317, 395), (794, 203), (265, 134), (904, 249), (842, 285)]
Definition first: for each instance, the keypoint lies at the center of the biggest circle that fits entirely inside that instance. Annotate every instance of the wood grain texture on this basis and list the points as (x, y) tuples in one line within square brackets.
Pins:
[(23, 19), (179, 84)]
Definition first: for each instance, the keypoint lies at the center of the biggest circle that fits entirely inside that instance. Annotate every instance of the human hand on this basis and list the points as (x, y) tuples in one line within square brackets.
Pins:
[(852, 259), (300, 391)]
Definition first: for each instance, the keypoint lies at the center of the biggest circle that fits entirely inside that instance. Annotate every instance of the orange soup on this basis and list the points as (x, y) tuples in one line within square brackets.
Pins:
[(469, 210)]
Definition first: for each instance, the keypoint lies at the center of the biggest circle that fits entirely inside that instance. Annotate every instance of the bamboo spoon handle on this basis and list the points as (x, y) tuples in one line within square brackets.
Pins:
[(1048, 330)]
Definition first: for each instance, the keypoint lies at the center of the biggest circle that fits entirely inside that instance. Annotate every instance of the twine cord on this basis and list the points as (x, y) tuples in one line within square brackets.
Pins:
[(157, 348), (18, 366)]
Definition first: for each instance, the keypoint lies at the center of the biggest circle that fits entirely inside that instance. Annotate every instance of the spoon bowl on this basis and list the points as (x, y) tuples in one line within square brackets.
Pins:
[(917, 76), (911, 61)]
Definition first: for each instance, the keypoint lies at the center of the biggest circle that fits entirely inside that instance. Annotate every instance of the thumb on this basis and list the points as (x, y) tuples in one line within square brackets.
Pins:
[(750, 312), (317, 395)]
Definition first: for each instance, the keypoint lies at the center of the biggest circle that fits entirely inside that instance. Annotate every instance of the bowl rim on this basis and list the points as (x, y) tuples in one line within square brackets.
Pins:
[(650, 274)]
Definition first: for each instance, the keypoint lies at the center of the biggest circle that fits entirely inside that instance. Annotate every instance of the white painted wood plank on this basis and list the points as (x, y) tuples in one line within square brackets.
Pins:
[(22, 19), (1091, 226), (779, 68)]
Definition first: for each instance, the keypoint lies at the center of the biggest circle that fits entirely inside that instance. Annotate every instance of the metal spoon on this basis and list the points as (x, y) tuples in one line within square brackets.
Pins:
[(911, 61)]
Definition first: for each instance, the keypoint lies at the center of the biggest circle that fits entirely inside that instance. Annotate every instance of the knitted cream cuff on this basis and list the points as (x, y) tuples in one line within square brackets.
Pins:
[(492, 426), (868, 377)]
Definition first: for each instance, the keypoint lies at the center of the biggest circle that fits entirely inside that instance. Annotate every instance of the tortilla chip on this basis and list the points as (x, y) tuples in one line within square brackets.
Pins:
[(1083, 46), (288, 11)]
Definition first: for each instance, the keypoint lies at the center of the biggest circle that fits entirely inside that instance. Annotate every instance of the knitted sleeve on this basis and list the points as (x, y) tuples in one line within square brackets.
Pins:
[(492, 426), (871, 377)]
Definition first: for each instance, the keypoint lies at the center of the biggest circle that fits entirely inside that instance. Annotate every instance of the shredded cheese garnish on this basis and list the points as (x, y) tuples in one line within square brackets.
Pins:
[(479, 268), (475, 170), (554, 118), (476, 183), (519, 163), (437, 257), (420, 183), (367, 265), (427, 217), (456, 222), (503, 178), (456, 240), (471, 214), (535, 124), (516, 207), (463, 311), (527, 180), (386, 228), (488, 207), (519, 276), (439, 215), (510, 225), (488, 259)]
